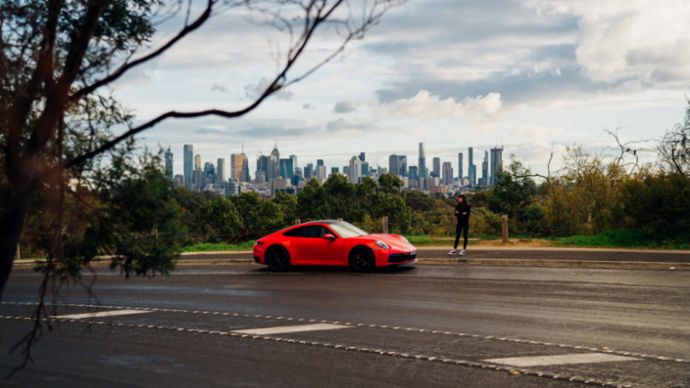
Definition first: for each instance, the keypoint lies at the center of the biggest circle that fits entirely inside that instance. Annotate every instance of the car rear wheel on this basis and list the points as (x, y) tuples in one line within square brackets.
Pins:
[(278, 259), (362, 260)]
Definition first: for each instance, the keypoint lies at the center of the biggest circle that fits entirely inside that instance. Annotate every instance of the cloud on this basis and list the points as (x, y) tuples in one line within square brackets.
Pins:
[(630, 39), (425, 105), (307, 106), (342, 125), (344, 107), (218, 88), (253, 91)]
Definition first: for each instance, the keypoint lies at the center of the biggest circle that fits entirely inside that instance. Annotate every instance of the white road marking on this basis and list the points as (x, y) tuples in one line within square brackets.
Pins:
[(291, 329), (99, 314), (561, 359)]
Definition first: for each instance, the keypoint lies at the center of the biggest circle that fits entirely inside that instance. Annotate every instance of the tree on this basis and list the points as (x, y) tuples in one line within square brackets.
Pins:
[(217, 220), (674, 150), (57, 58), (513, 192)]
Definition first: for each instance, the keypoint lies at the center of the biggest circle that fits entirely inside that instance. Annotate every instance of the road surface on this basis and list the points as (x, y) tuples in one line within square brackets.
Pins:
[(459, 325)]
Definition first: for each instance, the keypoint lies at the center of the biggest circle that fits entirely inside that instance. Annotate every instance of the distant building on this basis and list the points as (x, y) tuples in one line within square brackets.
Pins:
[(485, 170), (437, 167), (188, 161), (447, 173), (460, 169), (335, 170), (287, 170), (362, 157), (471, 168), (496, 163), (309, 171), (232, 188), (179, 180), (273, 164), (220, 172), (397, 164), (413, 173), (365, 169), (421, 162), (355, 169), (261, 167), (169, 163), (321, 173)]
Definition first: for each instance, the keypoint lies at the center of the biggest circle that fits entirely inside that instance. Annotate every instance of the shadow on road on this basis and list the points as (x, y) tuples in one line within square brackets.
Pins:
[(340, 270)]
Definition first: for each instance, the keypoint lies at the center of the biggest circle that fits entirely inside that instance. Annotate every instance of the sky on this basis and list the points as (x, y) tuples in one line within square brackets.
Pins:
[(531, 76)]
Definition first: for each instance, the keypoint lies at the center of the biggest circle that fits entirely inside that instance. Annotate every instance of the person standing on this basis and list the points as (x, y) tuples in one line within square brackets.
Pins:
[(462, 213)]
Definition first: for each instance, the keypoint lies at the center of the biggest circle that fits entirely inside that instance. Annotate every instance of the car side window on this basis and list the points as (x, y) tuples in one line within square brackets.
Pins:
[(297, 232), (312, 231)]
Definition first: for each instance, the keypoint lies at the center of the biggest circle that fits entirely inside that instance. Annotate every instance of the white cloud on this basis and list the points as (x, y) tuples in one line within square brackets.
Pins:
[(344, 107), (425, 105), (624, 39)]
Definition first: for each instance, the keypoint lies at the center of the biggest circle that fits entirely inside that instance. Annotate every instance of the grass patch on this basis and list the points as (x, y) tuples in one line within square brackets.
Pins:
[(210, 247), (617, 238)]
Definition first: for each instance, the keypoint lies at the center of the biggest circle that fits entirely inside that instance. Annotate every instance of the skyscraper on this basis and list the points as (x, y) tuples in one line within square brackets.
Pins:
[(471, 168), (321, 174), (397, 164), (319, 162), (485, 169), (437, 166), (261, 167), (220, 172), (188, 160), (308, 171), (496, 163), (169, 163), (237, 166), (362, 157), (287, 170), (421, 162), (460, 169), (413, 173), (447, 173), (273, 164), (355, 169)]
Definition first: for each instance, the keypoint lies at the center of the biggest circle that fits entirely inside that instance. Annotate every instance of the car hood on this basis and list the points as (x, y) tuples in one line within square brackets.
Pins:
[(394, 240)]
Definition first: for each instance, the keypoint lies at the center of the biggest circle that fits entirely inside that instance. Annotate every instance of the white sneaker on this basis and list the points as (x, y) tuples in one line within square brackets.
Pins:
[(463, 252), (453, 252)]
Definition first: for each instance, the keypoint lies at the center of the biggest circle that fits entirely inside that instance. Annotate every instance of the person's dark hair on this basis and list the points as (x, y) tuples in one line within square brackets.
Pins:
[(464, 199)]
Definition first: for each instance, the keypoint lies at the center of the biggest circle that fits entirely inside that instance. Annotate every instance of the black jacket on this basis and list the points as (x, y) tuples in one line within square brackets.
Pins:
[(462, 212)]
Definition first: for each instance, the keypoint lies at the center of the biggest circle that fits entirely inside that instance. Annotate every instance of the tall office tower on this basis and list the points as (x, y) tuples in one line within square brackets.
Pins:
[(447, 173), (413, 173), (232, 188), (437, 167), (319, 162), (402, 164), (220, 172), (261, 166), (239, 167), (321, 173), (485, 169), (169, 163), (365, 169), (308, 171), (355, 168), (274, 164), (346, 171), (460, 166), (335, 170), (362, 157), (471, 168), (287, 170), (496, 163), (393, 166), (188, 160), (209, 176), (421, 161), (294, 162), (197, 162)]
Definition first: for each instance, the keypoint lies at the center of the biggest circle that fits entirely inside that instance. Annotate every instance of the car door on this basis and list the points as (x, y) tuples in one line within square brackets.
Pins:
[(315, 249)]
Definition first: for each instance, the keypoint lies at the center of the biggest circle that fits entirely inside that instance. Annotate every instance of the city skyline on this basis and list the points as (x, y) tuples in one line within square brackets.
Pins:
[(274, 173)]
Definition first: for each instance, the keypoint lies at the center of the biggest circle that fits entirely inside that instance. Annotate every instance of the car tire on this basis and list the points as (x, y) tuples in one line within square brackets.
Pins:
[(362, 260), (278, 259)]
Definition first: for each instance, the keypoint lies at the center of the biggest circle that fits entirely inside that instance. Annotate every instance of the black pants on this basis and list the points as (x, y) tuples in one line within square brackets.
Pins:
[(461, 227)]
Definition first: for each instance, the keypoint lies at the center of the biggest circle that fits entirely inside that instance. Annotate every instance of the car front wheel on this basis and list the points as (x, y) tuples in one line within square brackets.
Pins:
[(362, 260), (278, 259)]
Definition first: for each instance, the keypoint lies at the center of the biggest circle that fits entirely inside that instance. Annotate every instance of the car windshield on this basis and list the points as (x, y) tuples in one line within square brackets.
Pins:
[(346, 230)]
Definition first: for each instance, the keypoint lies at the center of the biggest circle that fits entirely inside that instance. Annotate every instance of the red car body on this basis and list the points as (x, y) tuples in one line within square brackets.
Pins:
[(332, 243)]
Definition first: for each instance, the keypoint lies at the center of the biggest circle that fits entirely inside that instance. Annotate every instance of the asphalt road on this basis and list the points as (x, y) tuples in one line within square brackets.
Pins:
[(412, 326)]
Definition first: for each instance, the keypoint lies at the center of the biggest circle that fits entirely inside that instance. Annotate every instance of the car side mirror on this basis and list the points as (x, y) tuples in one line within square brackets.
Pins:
[(329, 236)]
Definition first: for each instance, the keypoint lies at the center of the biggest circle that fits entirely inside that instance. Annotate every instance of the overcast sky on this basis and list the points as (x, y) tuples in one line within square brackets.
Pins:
[(525, 74)]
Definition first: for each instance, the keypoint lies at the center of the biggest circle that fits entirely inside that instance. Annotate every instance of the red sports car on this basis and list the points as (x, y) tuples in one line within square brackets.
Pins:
[(335, 243)]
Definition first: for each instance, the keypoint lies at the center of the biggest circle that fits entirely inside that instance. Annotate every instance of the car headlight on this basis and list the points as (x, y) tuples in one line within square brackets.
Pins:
[(382, 244)]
